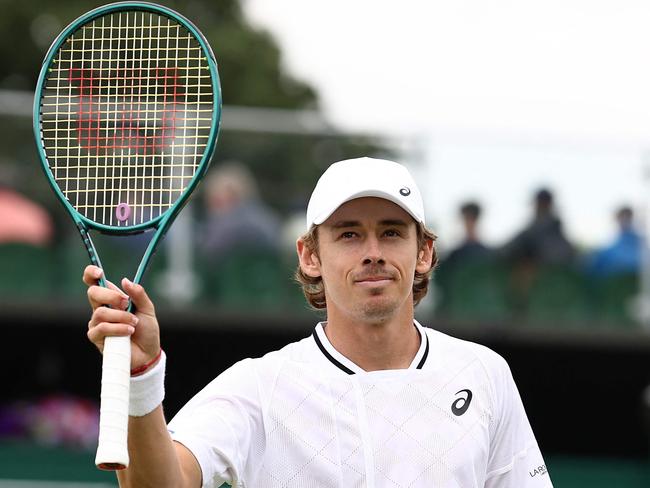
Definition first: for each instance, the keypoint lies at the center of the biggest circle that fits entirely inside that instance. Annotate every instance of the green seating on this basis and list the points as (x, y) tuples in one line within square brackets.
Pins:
[(246, 278), (557, 296), (26, 271), (612, 299), (472, 290), (72, 258)]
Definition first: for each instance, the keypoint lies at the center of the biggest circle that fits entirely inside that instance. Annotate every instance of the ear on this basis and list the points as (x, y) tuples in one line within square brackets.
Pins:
[(309, 262), (425, 257)]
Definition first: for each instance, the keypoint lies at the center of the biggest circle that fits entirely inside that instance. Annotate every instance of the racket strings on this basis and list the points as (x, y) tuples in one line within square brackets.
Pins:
[(126, 116)]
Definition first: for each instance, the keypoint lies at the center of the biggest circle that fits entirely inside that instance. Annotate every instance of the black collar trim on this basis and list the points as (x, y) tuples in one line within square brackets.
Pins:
[(347, 370), (426, 351), (332, 359)]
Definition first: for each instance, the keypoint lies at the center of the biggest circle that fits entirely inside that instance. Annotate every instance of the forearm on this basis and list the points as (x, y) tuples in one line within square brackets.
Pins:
[(153, 458)]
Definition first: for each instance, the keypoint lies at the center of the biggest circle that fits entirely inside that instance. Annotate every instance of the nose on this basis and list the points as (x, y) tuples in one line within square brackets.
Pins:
[(372, 252)]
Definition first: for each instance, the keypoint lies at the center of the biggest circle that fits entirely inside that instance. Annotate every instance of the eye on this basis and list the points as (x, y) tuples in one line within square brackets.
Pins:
[(348, 234), (392, 233)]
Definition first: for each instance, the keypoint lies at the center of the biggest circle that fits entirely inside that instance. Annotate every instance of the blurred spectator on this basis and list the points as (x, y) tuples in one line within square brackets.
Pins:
[(471, 248), (543, 283), (469, 279), (23, 221), (613, 278), (623, 255), (236, 218), (542, 241)]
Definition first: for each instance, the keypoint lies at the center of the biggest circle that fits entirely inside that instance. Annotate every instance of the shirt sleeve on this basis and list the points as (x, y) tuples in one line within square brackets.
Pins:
[(221, 425), (515, 460)]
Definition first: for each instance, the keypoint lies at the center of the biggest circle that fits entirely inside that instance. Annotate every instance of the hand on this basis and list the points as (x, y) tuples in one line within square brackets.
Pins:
[(141, 326)]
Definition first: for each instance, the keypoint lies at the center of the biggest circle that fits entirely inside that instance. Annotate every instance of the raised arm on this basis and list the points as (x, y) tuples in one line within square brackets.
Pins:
[(155, 460)]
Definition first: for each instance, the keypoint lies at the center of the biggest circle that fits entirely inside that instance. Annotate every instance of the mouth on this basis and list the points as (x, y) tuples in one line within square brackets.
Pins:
[(373, 280)]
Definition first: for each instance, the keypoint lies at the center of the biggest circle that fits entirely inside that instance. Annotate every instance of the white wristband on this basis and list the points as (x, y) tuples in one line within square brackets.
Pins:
[(147, 391)]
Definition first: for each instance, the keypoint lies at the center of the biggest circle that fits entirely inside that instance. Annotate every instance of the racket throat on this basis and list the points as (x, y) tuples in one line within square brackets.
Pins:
[(90, 247)]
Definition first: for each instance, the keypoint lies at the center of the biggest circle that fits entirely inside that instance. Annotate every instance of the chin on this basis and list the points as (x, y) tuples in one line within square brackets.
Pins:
[(379, 309)]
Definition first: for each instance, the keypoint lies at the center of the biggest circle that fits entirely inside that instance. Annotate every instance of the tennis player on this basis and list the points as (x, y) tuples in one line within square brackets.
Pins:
[(370, 399)]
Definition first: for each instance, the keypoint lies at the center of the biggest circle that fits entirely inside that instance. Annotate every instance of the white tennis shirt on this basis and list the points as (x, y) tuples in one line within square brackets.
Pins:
[(307, 417)]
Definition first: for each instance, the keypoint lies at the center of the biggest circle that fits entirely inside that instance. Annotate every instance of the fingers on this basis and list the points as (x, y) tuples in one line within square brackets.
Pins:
[(99, 296), (110, 322), (139, 297), (112, 315), (99, 332), (92, 274)]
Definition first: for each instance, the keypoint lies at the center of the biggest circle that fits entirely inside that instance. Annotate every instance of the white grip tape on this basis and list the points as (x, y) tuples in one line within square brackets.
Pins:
[(112, 450), (148, 389)]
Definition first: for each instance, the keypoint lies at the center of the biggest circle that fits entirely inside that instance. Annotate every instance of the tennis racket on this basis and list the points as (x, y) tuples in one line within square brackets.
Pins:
[(126, 115)]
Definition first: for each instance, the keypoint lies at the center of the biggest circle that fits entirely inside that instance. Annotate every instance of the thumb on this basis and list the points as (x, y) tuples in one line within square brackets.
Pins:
[(139, 297)]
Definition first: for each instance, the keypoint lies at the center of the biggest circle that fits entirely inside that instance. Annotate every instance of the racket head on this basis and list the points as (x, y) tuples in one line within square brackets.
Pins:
[(126, 118)]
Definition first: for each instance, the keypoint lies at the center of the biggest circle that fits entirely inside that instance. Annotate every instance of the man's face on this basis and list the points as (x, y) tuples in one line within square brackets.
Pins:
[(367, 257)]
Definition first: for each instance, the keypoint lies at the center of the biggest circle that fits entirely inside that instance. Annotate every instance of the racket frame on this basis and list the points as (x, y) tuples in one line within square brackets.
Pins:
[(109, 458)]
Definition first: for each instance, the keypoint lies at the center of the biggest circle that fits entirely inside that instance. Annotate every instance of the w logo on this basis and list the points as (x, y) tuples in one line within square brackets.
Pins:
[(126, 108)]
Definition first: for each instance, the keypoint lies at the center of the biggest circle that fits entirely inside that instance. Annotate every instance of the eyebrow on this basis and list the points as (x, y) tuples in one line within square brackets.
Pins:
[(355, 223)]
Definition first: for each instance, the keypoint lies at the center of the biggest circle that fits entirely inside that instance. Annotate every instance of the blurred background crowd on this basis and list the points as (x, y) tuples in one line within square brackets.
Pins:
[(231, 254), (235, 248)]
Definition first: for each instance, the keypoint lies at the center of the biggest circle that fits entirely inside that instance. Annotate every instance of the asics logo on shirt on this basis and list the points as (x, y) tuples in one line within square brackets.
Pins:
[(460, 406)]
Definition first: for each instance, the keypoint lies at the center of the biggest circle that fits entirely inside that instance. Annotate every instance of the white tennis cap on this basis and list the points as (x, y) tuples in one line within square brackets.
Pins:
[(363, 177)]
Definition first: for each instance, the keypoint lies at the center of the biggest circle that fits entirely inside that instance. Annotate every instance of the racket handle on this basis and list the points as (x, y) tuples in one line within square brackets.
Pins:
[(112, 450)]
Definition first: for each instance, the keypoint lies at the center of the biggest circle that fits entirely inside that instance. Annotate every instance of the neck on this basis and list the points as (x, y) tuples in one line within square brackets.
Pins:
[(375, 345), (471, 234)]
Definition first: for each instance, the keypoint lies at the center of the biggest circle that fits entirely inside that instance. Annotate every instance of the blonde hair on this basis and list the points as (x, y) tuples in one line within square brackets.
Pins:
[(314, 289)]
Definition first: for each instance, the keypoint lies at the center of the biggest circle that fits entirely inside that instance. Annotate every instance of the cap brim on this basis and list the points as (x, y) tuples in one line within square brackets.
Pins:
[(369, 193)]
